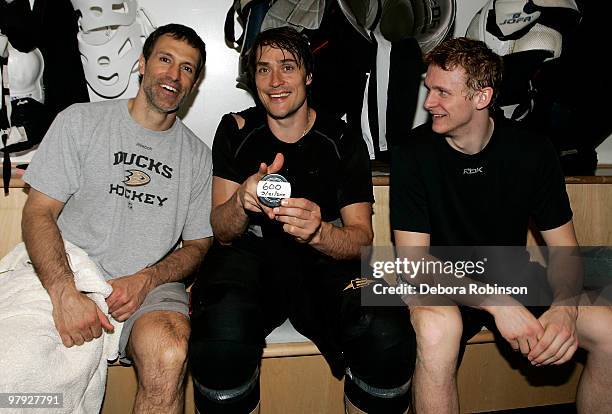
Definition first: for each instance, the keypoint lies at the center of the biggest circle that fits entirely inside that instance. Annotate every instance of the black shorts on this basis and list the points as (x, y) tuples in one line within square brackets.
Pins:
[(281, 279)]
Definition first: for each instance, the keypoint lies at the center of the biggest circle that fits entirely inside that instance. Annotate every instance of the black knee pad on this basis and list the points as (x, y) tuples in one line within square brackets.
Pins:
[(239, 400), (225, 349), (380, 356), (377, 400), (381, 347)]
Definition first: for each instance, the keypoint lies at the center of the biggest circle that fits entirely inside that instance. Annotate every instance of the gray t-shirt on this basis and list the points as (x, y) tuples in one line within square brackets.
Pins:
[(130, 193)]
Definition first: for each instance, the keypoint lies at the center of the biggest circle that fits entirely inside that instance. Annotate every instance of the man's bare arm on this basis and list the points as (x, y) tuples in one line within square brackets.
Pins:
[(228, 217), (560, 340), (44, 242), (130, 291), (180, 263), (76, 318), (346, 242), (231, 201)]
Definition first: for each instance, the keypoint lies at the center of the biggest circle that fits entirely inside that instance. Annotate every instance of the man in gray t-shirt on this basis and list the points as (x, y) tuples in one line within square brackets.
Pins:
[(126, 181)]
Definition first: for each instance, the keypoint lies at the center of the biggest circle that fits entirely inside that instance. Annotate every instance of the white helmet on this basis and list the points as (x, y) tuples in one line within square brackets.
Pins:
[(100, 13), (25, 72), (428, 21)]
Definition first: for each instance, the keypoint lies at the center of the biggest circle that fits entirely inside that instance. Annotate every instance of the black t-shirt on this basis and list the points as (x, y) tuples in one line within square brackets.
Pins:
[(328, 166), (485, 199)]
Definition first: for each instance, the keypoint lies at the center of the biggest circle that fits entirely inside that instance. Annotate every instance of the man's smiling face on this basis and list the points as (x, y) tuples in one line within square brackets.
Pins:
[(280, 81), (448, 101), (168, 75)]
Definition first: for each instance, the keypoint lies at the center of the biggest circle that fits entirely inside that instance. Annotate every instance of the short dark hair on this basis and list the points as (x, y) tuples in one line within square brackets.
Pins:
[(483, 67), (283, 38), (178, 32)]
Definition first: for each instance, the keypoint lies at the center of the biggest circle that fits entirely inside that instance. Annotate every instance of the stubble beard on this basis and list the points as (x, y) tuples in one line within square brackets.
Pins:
[(153, 100)]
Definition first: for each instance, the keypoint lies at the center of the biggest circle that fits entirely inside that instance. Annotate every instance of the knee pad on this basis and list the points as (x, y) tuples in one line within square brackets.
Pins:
[(384, 351), (381, 362), (373, 399), (239, 400), (225, 349), (227, 339), (223, 364)]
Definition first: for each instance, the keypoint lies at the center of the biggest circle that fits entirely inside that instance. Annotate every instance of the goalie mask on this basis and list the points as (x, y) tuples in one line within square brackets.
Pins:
[(101, 13), (110, 42), (108, 66)]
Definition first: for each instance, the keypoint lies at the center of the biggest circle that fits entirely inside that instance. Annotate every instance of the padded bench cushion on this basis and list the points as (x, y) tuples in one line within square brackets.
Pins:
[(286, 341)]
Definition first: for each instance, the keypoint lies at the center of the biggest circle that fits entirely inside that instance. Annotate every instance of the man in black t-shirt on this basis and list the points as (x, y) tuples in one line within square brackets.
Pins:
[(298, 260), (470, 179)]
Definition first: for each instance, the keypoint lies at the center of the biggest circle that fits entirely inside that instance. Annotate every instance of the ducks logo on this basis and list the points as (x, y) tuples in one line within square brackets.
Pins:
[(136, 178)]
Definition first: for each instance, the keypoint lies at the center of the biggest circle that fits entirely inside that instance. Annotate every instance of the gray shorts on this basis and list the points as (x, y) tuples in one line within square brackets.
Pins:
[(166, 297)]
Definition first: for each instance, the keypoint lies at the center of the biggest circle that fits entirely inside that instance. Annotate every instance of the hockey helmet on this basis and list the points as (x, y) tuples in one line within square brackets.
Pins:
[(428, 21)]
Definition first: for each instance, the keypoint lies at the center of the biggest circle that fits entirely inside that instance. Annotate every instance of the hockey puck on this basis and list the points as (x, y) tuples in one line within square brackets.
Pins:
[(272, 188)]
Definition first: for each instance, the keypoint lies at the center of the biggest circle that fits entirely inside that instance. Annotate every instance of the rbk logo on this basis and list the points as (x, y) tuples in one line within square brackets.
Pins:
[(470, 171)]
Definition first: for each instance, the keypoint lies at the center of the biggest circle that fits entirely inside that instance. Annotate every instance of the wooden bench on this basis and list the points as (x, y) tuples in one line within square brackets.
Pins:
[(296, 379)]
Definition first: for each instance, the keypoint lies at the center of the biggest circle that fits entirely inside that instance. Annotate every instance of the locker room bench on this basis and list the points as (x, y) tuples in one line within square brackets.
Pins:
[(295, 377)]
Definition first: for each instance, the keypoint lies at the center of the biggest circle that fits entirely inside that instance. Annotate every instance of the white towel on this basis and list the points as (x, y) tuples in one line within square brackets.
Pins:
[(32, 356)]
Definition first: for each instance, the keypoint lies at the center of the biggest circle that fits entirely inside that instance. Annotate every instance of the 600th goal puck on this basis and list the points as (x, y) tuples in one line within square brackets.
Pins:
[(272, 188)]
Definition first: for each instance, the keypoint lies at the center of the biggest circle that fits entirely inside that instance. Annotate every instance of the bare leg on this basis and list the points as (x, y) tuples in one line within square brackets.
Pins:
[(594, 325), (158, 347), (434, 383)]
